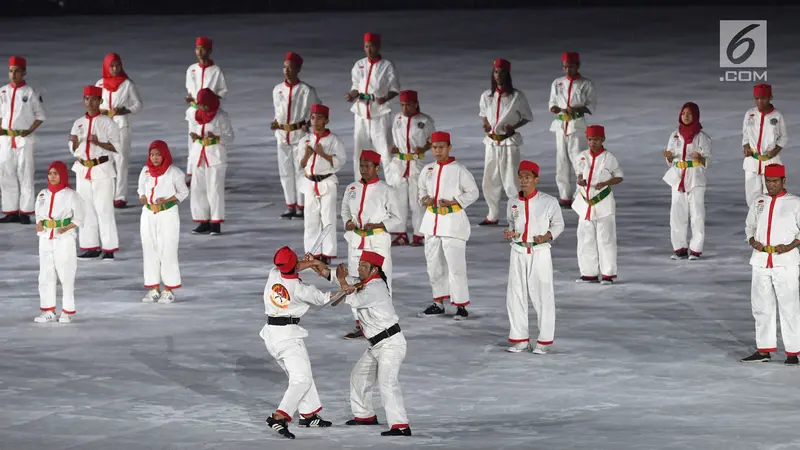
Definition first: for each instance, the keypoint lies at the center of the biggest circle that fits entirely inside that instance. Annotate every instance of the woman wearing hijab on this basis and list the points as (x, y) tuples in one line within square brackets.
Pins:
[(211, 133), (120, 99), (161, 188), (688, 153), (59, 210)]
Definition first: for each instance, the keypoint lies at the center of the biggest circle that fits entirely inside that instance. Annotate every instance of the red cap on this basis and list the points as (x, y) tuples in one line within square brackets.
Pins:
[(92, 91), (372, 258), (529, 165), (762, 90), (295, 58), (17, 61), (775, 170), (595, 131), (369, 155), (320, 109), (375, 38), (204, 42), (440, 136), (571, 57), (503, 64), (408, 96), (285, 260)]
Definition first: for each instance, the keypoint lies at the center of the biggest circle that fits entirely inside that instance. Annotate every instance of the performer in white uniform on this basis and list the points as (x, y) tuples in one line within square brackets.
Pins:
[(161, 188), (286, 300), (412, 132), (21, 113), (212, 134), (369, 294), (120, 100), (503, 110), (446, 189), (597, 170), (93, 141), (59, 210), (321, 155), (571, 98), (773, 228), (292, 100), (688, 153), (374, 84), (368, 210), (534, 220), (763, 137)]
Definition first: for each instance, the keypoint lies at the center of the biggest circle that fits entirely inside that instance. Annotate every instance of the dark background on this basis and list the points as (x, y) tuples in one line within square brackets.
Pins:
[(59, 7)]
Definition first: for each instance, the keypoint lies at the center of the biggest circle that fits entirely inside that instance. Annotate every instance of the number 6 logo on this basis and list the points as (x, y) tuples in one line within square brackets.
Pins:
[(738, 40), (743, 43)]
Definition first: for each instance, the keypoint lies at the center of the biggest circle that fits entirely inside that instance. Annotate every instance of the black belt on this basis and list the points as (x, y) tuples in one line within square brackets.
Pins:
[(318, 178), (280, 321), (93, 162), (389, 332)]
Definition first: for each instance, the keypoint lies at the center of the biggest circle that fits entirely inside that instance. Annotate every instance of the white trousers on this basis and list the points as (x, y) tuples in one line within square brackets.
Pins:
[(292, 356), (208, 193), (597, 247), (99, 230), (688, 210), (16, 177), (121, 161), (320, 211), (382, 364), (531, 276), (405, 194), (160, 235), (567, 149), (447, 269), (58, 261), (373, 134), (380, 244), (500, 167), (754, 186), (290, 175), (768, 286)]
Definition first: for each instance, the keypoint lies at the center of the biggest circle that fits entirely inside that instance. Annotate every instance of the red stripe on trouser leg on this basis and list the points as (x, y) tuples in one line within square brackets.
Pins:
[(67, 312), (517, 341), (458, 304), (283, 413), (768, 350), (48, 309), (152, 286), (400, 426), (544, 342), (313, 412), (113, 250), (441, 299), (10, 212), (368, 419), (792, 353), (171, 288), (89, 249)]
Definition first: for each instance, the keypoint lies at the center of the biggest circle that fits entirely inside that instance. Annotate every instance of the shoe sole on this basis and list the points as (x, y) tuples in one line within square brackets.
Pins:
[(348, 338), (430, 315), (755, 361), (516, 350), (459, 318)]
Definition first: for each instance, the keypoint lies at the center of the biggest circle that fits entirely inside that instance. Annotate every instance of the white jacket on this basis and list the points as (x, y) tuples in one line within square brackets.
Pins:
[(211, 77), (502, 110), (28, 108), (693, 176), (774, 221), (595, 169), (172, 182), (64, 204), (565, 92), (292, 104), (106, 131), (447, 181), (365, 203), (288, 296), (127, 95), (410, 133), (373, 305), (210, 155), (534, 216), (377, 78), (763, 132)]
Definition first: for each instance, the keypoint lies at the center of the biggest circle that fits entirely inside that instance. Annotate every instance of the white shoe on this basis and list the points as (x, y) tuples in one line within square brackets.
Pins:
[(151, 297), (519, 347), (166, 297), (607, 282), (65, 318), (693, 257), (45, 316), (540, 349)]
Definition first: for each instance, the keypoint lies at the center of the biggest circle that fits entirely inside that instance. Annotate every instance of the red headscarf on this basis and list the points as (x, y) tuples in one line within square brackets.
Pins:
[(206, 97), (689, 131), (112, 83), (63, 173), (166, 156)]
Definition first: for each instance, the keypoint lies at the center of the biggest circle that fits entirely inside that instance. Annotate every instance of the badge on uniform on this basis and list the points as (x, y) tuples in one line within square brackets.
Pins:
[(421, 125), (514, 211), (352, 193), (759, 206), (773, 121), (25, 100), (279, 296)]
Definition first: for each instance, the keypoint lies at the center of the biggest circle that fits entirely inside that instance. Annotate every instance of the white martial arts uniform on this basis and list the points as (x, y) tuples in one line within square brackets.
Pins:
[(597, 234), (292, 104), (160, 228), (19, 107), (58, 258), (501, 160), (530, 272), (763, 132), (126, 95), (95, 184), (373, 122), (570, 134), (688, 191), (381, 362), (409, 134), (446, 233), (198, 78), (775, 221), (287, 296), (208, 164), (320, 189)]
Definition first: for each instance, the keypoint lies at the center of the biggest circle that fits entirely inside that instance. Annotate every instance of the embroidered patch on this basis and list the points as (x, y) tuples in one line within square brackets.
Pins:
[(773, 121), (25, 99), (421, 125), (279, 296)]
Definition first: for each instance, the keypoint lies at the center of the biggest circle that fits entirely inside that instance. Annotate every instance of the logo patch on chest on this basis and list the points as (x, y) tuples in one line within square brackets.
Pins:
[(279, 296)]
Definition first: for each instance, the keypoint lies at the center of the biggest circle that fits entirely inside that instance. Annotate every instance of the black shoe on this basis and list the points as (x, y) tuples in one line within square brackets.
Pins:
[(461, 313), (216, 229), (25, 219), (680, 254), (791, 361), (299, 214), (90, 254), (203, 228), (434, 310), (280, 427), (357, 333), (314, 421), (288, 214), (487, 222), (757, 357), (373, 421), (10, 218), (108, 255), (397, 432)]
